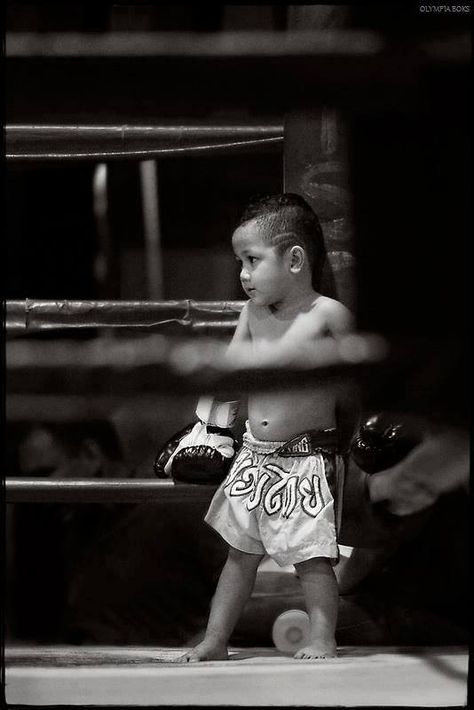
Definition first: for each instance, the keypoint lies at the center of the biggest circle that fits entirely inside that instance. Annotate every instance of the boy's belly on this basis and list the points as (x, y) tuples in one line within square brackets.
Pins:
[(281, 416)]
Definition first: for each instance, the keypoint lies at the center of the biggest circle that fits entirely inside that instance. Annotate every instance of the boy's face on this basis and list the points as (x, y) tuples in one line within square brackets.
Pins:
[(264, 272)]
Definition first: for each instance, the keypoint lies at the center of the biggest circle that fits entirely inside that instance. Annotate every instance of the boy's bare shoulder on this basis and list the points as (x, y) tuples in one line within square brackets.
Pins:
[(338, 318), (329, 305)]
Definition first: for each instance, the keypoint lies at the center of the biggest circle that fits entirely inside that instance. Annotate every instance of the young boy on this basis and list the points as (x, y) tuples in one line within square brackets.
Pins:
[(280, 495)]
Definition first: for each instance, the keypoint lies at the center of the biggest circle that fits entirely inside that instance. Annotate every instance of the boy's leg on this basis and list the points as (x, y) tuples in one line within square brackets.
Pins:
[(233, 590), (322, 598)]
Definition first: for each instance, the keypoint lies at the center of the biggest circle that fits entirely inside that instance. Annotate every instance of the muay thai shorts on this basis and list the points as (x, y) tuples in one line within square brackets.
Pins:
[(282, 499)]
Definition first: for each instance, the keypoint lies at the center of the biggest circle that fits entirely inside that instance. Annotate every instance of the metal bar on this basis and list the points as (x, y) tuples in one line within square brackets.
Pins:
[(195, 75), (346, 43), (151, 225), (94, 142), (105, 261), (121, 133), (315, 43), (32, 314), (33, 490)]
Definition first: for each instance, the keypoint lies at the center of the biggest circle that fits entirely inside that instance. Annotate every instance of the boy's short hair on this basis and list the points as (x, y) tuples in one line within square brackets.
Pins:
[(289, 220)]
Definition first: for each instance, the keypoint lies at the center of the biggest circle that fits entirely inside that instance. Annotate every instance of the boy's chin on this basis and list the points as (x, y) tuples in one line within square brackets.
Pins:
[(259, 300)]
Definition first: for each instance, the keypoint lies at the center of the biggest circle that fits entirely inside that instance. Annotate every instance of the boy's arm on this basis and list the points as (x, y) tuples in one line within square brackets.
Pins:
[(203, 452), (241, 334), (341, 322), (211, 410)]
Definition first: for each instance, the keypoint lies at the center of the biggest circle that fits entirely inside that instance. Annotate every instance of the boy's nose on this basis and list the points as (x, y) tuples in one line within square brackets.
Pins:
[(244, 276)]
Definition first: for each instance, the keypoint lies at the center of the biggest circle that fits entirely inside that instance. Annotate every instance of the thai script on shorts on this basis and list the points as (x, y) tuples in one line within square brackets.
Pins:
[(269, 485)]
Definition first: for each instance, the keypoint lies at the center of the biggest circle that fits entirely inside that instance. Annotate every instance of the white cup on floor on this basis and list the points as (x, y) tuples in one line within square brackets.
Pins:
[(291, 630)]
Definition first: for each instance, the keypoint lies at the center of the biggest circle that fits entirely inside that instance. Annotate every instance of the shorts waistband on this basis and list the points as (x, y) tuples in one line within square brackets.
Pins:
[(305, 444)]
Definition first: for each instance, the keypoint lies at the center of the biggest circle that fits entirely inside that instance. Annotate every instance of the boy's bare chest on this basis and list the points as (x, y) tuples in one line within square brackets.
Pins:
[(268, 329)]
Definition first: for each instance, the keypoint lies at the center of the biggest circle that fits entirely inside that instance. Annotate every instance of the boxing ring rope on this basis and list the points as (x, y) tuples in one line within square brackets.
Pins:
[(106, 142), (31, 314), (95, 370), (34, 490), (179, 365)]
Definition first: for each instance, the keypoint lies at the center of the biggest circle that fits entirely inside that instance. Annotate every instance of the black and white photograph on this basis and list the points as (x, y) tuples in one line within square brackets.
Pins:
[(235, 305)]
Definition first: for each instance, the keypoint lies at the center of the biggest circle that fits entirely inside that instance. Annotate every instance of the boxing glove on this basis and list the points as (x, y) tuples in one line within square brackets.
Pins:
[(382, 442), (201, 452), (165, 453)]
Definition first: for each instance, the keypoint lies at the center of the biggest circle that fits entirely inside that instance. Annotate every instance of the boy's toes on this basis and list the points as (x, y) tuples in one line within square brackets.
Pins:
[(185, 658), (316, 653), (181, 659)]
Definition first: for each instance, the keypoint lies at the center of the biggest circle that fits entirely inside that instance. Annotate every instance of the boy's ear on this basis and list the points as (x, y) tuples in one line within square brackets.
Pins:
[(297, 259)]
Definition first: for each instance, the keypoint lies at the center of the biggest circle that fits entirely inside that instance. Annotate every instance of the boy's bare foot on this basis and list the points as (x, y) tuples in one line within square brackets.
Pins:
[(205, 651), (318, 649)]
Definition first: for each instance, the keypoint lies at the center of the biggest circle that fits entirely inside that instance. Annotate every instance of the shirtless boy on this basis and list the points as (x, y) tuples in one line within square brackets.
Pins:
[(280, 495)]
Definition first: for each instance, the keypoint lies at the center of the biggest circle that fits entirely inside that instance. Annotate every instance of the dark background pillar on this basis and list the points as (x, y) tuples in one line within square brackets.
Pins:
[(316, 164)]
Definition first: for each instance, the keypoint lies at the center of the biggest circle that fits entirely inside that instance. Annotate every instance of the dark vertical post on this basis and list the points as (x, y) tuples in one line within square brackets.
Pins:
[(315, 165), (151, 223)]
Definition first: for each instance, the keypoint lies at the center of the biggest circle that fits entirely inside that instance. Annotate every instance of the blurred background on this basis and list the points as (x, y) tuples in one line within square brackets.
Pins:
[(90, 229)]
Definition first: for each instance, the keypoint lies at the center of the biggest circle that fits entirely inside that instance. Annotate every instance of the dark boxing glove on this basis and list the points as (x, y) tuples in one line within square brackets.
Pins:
[(382, 442), (202, 452), (164, 454)]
